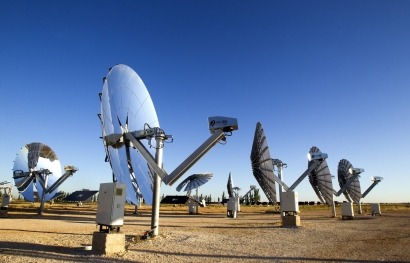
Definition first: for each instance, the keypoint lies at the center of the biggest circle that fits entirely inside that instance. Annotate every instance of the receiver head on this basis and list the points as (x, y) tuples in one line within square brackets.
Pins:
[(225, 124)]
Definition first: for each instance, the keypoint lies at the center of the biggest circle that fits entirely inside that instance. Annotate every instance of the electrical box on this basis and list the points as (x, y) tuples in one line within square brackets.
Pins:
[(233, 203), (5, 200), (347, 210), (289, 202), (375, 207), (111, 205), (232, 206), (193, 208)]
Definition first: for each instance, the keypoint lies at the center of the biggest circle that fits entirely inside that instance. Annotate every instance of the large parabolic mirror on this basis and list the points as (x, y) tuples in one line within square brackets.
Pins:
[(262, 165), (126, 106), (353, 191), (33, 163), (321, 180)]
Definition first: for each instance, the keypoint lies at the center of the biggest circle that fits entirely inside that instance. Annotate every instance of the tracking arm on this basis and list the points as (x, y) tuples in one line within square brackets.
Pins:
[(218, 127)]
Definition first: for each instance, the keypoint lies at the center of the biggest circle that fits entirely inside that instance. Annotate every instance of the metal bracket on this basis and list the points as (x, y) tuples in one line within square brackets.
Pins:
[(185, 165)]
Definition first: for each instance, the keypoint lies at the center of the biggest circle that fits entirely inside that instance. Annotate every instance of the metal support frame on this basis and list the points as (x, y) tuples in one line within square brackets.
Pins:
[(316, 160), (194, 157), (42, 177), (170, 179), (160, 175), (314, 164), (23, 184), (70, 170), (346, 185)]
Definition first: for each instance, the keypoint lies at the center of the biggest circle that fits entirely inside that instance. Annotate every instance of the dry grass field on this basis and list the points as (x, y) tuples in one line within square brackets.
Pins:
[(63, 232)]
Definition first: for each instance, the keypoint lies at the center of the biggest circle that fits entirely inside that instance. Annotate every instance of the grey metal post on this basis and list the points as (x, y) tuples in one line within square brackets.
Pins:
[(281, 178), (334, 209), (280, 166), (157, 187), (43, 195)]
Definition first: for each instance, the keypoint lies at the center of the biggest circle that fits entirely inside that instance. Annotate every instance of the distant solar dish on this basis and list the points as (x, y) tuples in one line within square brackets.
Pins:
[(194, 181), (353, 192), (229, 186), (262, 165), (126, 106), (80, 196), (33, 163), (321, 180)]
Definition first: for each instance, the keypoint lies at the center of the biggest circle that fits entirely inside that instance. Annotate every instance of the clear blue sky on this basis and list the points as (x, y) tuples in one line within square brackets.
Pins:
[(331, 74)]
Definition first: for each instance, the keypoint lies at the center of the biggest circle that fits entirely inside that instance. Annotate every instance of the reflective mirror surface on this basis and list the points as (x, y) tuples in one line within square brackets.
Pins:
[(33, 160), (262, 165), (194, 181), (321, 180), (353, 192), (127, 106)]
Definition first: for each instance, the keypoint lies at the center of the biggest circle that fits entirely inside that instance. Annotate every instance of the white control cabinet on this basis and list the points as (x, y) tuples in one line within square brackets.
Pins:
[(289, 202), (232, 206), (375, 207), (347, 210), (111, 205)]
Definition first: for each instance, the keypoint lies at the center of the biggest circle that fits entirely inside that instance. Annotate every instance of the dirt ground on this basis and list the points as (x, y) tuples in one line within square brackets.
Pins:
[(64, 233)]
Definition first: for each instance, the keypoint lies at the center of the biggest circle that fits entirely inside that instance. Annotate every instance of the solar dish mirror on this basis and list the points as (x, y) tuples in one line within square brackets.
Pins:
[(126, 106), (36, 158)]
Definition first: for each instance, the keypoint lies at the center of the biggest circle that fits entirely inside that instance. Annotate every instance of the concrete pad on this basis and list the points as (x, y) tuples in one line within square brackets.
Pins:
[(3, 213), (291, 221), (108, 243)]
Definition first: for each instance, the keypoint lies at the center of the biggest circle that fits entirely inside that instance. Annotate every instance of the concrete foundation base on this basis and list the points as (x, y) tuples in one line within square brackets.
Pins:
[(231, 213), (108, 243), (3, 212), (291, 221)]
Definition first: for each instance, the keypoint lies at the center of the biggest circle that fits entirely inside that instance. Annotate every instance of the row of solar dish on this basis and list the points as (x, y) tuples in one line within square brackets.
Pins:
[(127, 106), (320, 177)]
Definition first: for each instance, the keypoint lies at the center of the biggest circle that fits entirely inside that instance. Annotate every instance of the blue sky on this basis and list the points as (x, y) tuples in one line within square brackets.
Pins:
[(331, 74)]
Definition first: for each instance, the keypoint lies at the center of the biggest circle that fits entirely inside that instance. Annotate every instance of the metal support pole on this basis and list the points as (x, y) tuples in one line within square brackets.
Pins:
[(43, 195), (280, 187), (197, 198), (157, 187), (281, 178), (334, 209)]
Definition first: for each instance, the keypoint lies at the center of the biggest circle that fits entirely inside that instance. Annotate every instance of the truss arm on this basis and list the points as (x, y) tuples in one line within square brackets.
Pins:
[(185, 165), (24, 183), (314, 164), (279, 181), (194, 157), (370, 188), (70, 170)]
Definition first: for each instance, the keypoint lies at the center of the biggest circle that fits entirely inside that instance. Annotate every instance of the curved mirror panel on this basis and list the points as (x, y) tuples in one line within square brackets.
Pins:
[(127, 106), (353, 192), (321, 180), (262, 165), (31, 162), (194, 181)]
